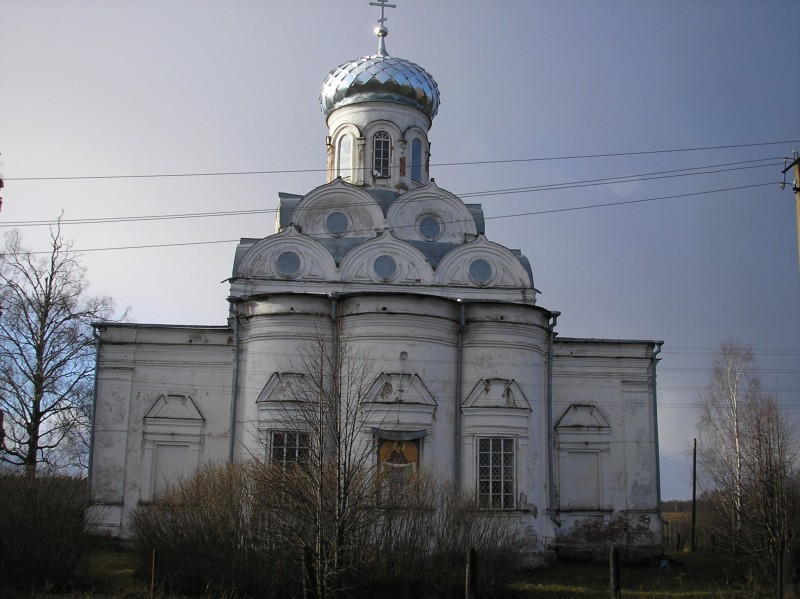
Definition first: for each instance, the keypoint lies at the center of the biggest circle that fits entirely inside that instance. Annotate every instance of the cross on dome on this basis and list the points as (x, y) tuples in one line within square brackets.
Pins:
[(384, 5), (381, 29)]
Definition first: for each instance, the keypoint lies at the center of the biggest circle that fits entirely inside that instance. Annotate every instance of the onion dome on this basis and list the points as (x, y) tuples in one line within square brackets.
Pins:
[(380, 78)]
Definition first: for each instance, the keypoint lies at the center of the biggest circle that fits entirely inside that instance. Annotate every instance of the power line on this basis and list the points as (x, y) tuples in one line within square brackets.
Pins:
[(548, 187), (515, 215), (441, 164), (627, 178), (628, 202)]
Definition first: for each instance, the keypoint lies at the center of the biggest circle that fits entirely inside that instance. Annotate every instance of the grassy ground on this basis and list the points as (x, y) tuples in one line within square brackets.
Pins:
[(690, 576), (112, 575)]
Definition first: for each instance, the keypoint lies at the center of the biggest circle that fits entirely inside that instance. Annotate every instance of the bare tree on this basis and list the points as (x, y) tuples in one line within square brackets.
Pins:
[(321, 477), (748, 457), (46, 355), (770, 500)]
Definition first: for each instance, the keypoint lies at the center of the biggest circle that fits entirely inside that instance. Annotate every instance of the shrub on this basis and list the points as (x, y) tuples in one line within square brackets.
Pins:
[(228, 532), (420, 547), (43, 537), (210, 537)]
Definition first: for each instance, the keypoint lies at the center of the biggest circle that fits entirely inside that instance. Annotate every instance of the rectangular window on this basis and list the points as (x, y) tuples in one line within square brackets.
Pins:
[(496, 467), (289, 448)]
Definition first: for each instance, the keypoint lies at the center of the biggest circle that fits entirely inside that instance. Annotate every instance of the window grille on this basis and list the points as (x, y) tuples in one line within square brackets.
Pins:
[(496, 467), (289, 448)]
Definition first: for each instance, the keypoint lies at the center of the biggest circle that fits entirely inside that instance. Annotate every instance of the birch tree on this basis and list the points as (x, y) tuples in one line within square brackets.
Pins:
[(748, 454), (46, 355), (725, 407)]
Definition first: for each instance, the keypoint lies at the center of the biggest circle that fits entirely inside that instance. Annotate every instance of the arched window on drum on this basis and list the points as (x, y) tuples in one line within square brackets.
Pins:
[(381, 154), (344, 158), (416, 160)]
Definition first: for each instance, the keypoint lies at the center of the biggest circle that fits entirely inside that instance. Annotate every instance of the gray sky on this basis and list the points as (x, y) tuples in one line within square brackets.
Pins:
[(97, 88)]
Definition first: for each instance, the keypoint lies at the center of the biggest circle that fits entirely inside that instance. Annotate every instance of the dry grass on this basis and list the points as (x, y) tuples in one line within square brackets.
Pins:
[(690, 576), (693, 576)]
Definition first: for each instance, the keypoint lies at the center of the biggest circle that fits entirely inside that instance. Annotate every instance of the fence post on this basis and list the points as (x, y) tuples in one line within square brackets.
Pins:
[(616, 589), (153, 575), (471, 583), (309, 580)]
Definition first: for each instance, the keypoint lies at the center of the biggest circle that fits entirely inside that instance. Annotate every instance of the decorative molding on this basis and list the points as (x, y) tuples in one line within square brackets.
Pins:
[(580, 418), (278, 387), (497, 393), (399, 388), (174, 407)]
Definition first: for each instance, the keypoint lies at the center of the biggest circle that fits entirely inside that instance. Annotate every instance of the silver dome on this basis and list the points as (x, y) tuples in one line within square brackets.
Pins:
[(380, 78)]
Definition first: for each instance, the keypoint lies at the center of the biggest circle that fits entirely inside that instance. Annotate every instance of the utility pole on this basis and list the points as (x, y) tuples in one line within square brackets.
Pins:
[(796, 189)]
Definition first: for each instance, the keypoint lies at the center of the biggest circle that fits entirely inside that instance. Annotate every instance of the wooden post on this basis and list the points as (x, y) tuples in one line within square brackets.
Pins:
[(788, 567), (309, 580), (616, 588), (471, 582), (694, 499), (153, 576)]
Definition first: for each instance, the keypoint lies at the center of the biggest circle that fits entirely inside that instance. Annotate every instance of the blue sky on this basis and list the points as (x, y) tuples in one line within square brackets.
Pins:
[(94, 88)]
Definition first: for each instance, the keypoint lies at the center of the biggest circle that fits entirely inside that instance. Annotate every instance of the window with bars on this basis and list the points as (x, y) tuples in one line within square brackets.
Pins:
[(381, 154), (289, 448), (496, 467)]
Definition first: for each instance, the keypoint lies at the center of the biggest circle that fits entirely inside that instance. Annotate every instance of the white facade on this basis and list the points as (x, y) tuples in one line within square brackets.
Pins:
[(463, 366)]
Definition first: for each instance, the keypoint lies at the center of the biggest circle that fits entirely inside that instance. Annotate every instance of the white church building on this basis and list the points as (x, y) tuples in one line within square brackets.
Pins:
[(467, 376)]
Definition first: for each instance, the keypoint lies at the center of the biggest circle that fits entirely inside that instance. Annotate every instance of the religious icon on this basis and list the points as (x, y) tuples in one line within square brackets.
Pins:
[(398, 462)]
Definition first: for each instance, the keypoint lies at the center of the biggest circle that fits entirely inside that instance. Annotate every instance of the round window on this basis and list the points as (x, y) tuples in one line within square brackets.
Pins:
[(480, 271), (385, 267), (430, 228), (288, 264), (337, 223)]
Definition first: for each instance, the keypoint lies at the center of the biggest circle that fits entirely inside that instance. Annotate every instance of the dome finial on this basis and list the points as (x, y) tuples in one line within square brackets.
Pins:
[(381, 30)]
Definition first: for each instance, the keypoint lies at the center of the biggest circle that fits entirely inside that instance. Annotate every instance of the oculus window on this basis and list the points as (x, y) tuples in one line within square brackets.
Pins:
[(430, 227), (385, 267), (337, 223), (480, 271), (288, 264)]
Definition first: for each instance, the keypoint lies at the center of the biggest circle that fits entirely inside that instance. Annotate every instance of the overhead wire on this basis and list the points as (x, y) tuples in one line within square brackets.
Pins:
[(502, 216), (554, 186), (440, 164)]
